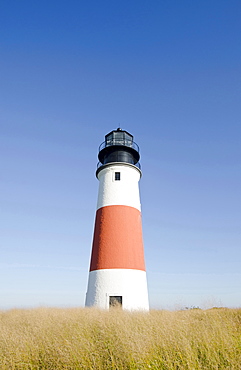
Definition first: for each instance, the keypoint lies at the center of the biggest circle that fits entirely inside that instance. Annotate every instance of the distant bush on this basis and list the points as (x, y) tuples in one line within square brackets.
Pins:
[(47, 338)]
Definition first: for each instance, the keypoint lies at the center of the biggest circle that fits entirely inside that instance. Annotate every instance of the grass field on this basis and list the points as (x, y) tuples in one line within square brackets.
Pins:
[(51, 338)]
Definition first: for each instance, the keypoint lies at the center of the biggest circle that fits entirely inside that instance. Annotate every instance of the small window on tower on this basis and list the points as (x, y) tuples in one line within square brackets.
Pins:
[(117, 176), (115, 301)]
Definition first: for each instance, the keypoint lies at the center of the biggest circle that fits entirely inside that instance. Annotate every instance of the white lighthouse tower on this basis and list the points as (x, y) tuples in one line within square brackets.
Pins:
[(117, 269)]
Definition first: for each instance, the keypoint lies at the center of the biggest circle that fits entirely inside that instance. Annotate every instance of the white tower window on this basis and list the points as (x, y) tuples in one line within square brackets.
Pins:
[(117, 176)]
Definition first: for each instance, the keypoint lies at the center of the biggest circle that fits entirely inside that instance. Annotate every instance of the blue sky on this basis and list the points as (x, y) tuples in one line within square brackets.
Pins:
[(169, 72)]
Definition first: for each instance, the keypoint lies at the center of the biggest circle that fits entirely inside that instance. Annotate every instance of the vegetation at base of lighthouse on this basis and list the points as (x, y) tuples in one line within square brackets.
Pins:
[(51, 338)]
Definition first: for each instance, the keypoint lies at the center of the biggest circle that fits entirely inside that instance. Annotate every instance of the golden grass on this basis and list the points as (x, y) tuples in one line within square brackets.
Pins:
[(50, 338)]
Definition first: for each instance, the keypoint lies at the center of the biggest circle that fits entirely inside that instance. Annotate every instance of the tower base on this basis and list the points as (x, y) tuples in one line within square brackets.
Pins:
[(125, 286)]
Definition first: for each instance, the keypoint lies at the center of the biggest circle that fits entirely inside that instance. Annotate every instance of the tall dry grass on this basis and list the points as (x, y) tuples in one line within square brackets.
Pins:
[(47, 338)]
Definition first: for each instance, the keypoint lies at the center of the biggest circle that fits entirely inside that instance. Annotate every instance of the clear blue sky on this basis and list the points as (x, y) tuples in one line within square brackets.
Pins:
[(169, 72)]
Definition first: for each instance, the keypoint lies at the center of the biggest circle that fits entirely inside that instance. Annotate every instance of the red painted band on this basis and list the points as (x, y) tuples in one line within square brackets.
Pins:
[(118, 239)]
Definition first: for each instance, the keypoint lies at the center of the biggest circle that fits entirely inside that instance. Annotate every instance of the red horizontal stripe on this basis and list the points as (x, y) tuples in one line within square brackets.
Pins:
[(118, 239)]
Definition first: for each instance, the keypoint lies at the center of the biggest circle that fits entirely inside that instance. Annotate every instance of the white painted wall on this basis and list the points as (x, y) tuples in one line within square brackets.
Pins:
[(124, 192), (130, 284)]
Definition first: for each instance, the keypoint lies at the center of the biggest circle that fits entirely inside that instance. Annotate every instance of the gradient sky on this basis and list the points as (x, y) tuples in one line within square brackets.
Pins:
[(169, 72)]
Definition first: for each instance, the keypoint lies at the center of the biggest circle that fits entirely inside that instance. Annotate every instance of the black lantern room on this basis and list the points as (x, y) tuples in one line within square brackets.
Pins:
[(119, 147)]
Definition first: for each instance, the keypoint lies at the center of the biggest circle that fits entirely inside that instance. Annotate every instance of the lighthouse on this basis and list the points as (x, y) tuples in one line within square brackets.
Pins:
[(117, 275)]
